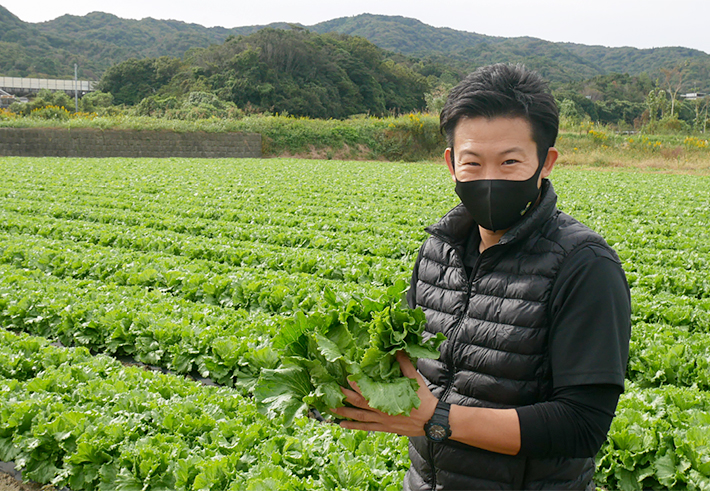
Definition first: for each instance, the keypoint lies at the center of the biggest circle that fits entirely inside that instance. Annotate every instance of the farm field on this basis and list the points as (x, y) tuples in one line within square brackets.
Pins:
[(192, 266)]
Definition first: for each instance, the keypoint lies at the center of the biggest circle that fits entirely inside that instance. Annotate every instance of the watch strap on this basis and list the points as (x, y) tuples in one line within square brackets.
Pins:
[(437, 428), (441, 413)]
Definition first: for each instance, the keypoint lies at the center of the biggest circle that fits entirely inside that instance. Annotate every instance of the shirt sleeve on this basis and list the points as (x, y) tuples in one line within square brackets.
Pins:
[(590, 310), (573, 423)]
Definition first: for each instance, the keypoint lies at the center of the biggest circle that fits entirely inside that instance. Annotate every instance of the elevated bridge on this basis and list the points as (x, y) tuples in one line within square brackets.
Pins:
[(26, 86)]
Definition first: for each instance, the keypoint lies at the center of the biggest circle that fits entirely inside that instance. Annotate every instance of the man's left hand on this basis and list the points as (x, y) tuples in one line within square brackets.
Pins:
[(369, 419)]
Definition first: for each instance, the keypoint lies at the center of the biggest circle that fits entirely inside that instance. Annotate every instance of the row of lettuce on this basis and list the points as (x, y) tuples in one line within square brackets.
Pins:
[(172, 264), (88, 422)]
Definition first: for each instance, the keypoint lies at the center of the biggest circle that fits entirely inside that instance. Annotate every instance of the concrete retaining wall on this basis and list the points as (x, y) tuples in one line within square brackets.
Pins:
[(89, 142)]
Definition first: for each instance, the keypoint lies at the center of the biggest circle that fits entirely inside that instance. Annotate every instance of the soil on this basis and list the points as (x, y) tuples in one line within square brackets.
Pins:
[(11, 480), (9, 483), (346, 152)]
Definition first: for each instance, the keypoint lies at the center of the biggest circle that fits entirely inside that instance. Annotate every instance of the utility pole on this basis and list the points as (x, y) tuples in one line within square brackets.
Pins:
[(76, 90)]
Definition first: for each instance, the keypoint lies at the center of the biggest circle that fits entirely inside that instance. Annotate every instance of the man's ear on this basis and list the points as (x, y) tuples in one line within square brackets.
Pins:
[(552, 155), (448, 157)]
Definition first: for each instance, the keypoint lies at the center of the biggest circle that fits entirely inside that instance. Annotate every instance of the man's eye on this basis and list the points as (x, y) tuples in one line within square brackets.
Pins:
[(511, 161)]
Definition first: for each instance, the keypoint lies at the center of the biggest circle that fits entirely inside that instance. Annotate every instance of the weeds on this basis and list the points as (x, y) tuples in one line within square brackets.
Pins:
[(408, 137)]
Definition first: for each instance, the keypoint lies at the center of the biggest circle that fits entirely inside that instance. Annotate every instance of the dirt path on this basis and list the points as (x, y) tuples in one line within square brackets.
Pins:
[(9, 483)]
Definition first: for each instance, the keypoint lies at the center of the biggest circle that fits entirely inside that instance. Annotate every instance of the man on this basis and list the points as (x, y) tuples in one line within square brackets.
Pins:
[(534, 305)]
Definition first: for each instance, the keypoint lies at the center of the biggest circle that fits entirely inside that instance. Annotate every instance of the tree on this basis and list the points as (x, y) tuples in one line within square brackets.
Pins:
[(571, 113), (436, 99), (701, 106), (95, 102), (673, 81), (133, 80), (307, 74), (656, 102)]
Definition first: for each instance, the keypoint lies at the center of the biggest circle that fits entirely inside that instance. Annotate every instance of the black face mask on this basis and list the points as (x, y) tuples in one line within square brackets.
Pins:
[(498, 204)]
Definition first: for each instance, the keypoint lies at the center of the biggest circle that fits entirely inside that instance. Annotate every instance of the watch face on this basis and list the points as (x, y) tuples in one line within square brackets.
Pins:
[(437, 432)]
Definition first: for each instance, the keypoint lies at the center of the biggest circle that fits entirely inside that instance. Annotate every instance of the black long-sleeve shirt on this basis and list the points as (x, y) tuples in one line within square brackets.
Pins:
[(573, 423)]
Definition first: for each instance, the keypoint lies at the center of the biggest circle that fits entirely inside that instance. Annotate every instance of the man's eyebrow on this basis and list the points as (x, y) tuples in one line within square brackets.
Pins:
[(503, 152), (512, 150)]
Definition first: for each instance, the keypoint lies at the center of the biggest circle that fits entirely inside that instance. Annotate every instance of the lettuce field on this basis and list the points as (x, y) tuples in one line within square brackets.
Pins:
[(192, 267)]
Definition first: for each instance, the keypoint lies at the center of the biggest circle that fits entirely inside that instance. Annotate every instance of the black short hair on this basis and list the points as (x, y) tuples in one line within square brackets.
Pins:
[(508, 91)]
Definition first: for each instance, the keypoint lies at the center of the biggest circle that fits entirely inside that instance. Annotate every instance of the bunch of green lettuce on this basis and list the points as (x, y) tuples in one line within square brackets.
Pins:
[(354, 339)]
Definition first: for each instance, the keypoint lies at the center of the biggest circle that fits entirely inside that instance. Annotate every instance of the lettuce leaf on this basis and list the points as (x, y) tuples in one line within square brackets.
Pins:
[(347, 339)]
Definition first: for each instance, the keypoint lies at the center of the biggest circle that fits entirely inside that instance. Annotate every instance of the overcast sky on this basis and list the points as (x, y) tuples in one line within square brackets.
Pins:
[(637, 23)]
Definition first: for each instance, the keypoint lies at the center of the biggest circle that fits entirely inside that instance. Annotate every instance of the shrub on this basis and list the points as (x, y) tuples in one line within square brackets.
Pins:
[(693, 142), (50, 112), (96, 102), (6, 114), (667, 125), (598, 136)]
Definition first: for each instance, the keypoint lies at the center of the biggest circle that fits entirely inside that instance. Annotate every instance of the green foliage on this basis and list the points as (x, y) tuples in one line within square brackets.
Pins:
[(657, 104), (97, 41), (307, 74), (96, 102), (195, 106), (353, 339), (658, 440), (609, 87), (46, 105), (87, 422), (669, 124), (54, 113), (574, 109), (436, 99), (571, 114), (273, 71), (133, 80), (198, 267)]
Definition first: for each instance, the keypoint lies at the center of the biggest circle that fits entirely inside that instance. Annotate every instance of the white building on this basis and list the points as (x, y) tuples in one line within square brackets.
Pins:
[(693, 96)]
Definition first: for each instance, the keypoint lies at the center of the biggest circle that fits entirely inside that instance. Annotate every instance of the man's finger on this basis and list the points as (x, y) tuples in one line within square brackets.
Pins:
[(354, 386), (361, 415), (355, 398), (405, 364)]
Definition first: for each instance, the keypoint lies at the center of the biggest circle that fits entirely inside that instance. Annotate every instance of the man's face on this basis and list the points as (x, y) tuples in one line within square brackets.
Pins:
[(497, 148)]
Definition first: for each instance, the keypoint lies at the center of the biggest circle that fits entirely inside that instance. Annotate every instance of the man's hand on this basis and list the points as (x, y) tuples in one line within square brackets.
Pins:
[(369, 419)]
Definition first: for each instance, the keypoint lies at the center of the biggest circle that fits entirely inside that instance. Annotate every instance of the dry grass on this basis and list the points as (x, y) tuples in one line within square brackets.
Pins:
[(652, 153), (601, 160)]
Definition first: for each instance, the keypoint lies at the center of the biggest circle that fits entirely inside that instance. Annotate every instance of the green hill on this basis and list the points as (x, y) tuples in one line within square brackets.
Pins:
[(559, 62), (97, 41)]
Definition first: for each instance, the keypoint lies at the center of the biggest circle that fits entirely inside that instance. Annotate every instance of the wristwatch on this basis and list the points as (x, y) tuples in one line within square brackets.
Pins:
[(437, 428)]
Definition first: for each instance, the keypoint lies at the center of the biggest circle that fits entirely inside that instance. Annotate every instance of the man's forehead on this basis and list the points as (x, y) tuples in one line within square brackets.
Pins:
[(510, 133), (503, 119)]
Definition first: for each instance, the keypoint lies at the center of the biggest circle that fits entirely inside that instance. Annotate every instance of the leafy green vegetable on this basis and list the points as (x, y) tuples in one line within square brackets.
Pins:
[(89, 423), (351, 340), (192, 265)]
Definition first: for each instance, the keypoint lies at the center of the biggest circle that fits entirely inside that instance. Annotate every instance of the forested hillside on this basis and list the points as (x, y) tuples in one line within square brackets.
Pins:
[(274, 70), (97, 41)]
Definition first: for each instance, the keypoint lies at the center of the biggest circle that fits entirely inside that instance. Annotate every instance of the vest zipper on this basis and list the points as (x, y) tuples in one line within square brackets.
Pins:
[(450, 364), (457, 326), (431, 463)]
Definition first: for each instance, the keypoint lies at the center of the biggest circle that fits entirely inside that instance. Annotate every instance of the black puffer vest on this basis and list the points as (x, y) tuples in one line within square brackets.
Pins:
[(496, 324)]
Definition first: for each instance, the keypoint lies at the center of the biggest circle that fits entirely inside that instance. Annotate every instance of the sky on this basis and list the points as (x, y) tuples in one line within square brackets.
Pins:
[(613, 23)]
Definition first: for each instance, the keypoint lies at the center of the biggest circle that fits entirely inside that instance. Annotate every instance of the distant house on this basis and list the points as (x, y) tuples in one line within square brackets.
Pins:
[(693, 96), (6, 99)]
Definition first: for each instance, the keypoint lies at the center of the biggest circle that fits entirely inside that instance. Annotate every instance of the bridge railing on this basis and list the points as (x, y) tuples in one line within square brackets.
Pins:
[(18, 85)]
